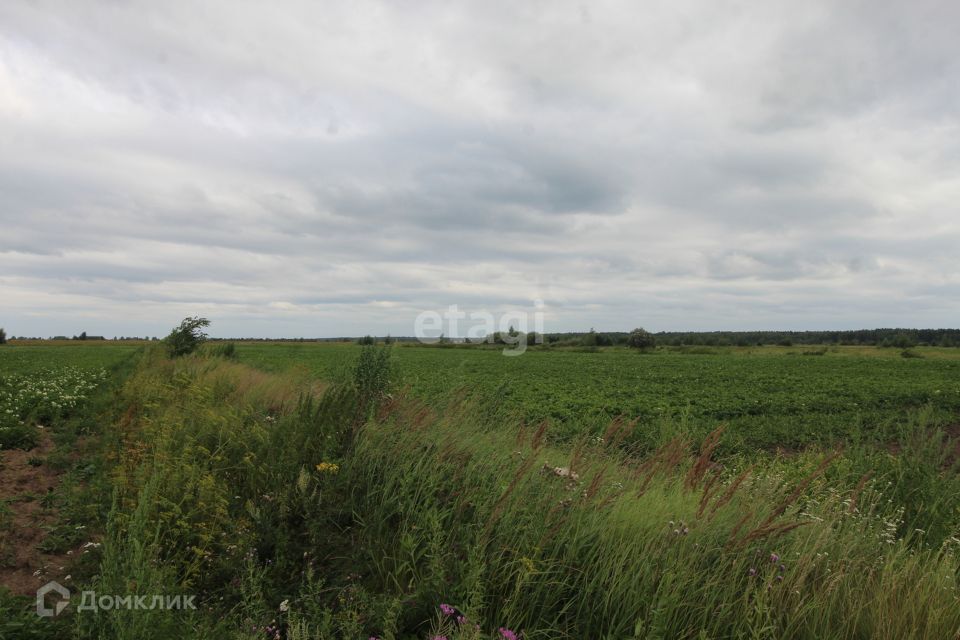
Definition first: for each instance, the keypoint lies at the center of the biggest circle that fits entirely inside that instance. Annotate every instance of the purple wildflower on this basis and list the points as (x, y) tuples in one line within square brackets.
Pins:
[(506, 634), (447, 610), (752, 572), (774, 558)]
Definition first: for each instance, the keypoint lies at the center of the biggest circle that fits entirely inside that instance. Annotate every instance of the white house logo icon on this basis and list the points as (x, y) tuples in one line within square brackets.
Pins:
[(42, 609)]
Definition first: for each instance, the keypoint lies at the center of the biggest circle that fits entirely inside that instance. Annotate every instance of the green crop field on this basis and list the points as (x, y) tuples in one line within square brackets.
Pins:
[(765, 396), (44, 384), (27, 359)]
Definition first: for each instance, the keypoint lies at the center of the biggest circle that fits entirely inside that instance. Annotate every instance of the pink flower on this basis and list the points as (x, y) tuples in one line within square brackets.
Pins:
[(506, 634), (447, 610)]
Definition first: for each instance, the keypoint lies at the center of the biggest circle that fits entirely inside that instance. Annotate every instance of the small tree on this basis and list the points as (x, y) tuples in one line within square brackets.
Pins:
[(3, 336), (641, 339), (903, 340), (590, 338), (187, 337)]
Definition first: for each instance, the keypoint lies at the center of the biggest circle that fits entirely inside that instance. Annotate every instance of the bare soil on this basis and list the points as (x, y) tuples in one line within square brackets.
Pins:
[(24, 522)]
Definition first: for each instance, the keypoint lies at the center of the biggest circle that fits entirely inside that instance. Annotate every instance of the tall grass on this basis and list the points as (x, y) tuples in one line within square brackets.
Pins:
[(351, 511), (634, 549)]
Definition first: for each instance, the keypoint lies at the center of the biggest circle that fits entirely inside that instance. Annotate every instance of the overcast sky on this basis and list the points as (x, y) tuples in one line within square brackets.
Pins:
[(322, 169)]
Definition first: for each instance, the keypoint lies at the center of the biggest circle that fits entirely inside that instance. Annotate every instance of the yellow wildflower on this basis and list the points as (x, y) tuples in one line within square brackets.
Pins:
[(328, 467)]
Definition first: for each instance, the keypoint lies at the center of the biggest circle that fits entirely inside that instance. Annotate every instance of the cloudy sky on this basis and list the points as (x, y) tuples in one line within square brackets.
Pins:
[(321, 169)]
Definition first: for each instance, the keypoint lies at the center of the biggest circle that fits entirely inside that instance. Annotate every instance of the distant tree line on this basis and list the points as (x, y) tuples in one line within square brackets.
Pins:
[(83, 336), (900, 338)]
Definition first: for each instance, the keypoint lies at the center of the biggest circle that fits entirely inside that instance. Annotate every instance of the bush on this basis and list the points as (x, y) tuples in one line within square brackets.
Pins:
[(3, 336), (187, 337), (903, 341), (641, 339)]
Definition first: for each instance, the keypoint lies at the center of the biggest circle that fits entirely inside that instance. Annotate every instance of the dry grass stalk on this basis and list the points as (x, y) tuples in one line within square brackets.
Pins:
[(537, 440), (731, 490), (780, 508), (737, 527), (711, 488), (702, 464), (858, 490), (595, 484), (576, 456), (501, 502), (664, 459), (770, 531), (766, 528), (617, 430)]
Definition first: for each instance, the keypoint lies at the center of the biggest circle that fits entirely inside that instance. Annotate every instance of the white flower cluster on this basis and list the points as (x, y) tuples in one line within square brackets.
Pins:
[(48, 394)]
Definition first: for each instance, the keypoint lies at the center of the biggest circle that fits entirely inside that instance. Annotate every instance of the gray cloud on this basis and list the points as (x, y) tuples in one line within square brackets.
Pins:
[(327, 168)]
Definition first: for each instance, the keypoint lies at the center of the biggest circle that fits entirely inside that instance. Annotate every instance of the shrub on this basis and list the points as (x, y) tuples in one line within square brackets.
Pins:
[(187, 337), (903, 340), (3, 336), (641, 339)]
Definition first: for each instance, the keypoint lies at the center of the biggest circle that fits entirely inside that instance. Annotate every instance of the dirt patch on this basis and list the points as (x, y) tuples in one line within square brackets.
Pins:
[(24, 520)]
